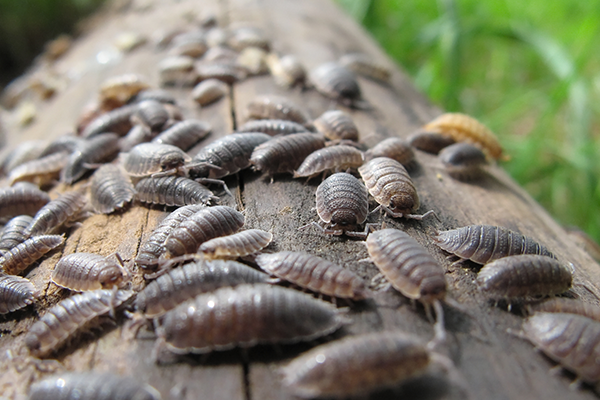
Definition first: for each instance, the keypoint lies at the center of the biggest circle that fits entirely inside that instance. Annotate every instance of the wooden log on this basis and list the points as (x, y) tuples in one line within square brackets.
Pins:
[(495, 364)]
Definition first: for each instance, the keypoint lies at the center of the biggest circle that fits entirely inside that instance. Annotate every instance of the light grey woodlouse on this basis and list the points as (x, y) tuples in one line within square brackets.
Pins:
[(21, 199), (57, 212), (151, 250), (91, 386), (272, 127), (225, 72), (285, 154), (154, 158), (160, 95), (110, 189), (364, 65), (336, 125), (394, 148), (287, 71), (23, 255), (329, 159), (22, 153), (177, 71), (16, 293), (336, 82), (314, 273), (14, 232), (566, 305), (204, 225), (71, 315), (82, 272), (236, 245), (152, 114), (209, 91), (275, 107), (245, 316), (136, 135), (118, 90), (100, 148), (66, 143), (463, 161), (117, 121), (184, 134), (246, 36), (173, 191), (524, 276), (253, 61), (484, 243), (185, 283), (41, 171), (430, 142)]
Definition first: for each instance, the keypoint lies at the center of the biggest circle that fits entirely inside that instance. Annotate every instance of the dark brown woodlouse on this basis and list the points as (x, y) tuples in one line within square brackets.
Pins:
[(204, 225), (394, 148), (430, 142), (73, 314), (41, 171), (336, 82), (91, 386), (57, 212), (389, 183), (98, 149), (86, 271), (192, 279), (15, 293), (236, 245), (329, 159), (151, 250), (152, 114), (184, 134), (225, 156), (524, 276), (245, 316), (110, 189), (336, 125), (463, 161), (154, 158), (173, 191), (364, 65), (272, 127), (23, 255), (14, 232), (566, 305), (21, 199), (209, 91), (484, 243), (275, 107), (117, 121), (314, 273), (285, 154)]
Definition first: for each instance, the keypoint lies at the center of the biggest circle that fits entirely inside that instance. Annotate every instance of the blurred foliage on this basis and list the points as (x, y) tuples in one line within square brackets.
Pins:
[(527, 69)]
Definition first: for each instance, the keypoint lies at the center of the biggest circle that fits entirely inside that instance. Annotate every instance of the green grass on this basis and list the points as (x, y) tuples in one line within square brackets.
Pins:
[(527, 69)]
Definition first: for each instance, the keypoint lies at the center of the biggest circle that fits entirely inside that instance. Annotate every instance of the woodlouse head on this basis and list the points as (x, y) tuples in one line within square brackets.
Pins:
[(403, 203), (111, 277), (173, 160), (432, 288)]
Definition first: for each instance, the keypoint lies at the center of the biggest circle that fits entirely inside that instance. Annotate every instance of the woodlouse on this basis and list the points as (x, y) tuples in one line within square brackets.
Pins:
[(22, 153), (23, 255), (177, 71), (225, 156), (57, 212), (286, 153), (394, 148), (463, 128), (159, 95), (336, 82), (287, 71), (253, 61), (272, 127), (72, 314), (463, 161), (100, 148), (245, 316), (21, 199), (41, 171), (364, 65), (484, 243), (192, 279), (66, 143), (86, 271), (153, 158), (314, 273), (389, 183), (430, 142), (225, 72), (118, 90), (566, 305), (91, 386), (184, 134), (248, 37), (204, 225), (137, 135), (15, 293), (151, 250), (152, 114), (330, 159), (14, 232), (524, 276), (209, 91), (275, 107), (336, 125), (173, 191), (117, 121), (110, 189), (236, 245)]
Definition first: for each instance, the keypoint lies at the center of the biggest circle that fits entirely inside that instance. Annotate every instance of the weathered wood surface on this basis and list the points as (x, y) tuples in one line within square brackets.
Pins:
[(495, 364)]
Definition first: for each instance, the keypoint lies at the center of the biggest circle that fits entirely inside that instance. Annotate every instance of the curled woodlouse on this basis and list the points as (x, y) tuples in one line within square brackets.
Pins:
[(184, 134), (569, 339), (15, 293), (177, 71), (394, 148), (272, 127), (430, 142), (173, 191), (389, 183), (463, 161), (151, 250), (152, 114), (117, 121), (226, 156), (286, 153), (329, 159), (14, 232), (268, 314), (336, 82), (287, 71), (85, 271), (484, 243), (524, 276), (100, 148), (57, 212), (463, 128), (336, 125), (204, 225), (73, 314), (364, 65), (226, 72), (153, 158), (237, 245), (209, 91), (40, 171), (118, 90), (160, 95), (110, 189), (192, 279), (91, 386), (23, 255), (248, 37), (21, 199), (253, 61), (314, 273), (275, 107), (566, 305)]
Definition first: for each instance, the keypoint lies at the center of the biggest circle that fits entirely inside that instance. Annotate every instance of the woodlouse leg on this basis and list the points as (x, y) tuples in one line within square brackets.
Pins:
[(438, 327), (216, 182)]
